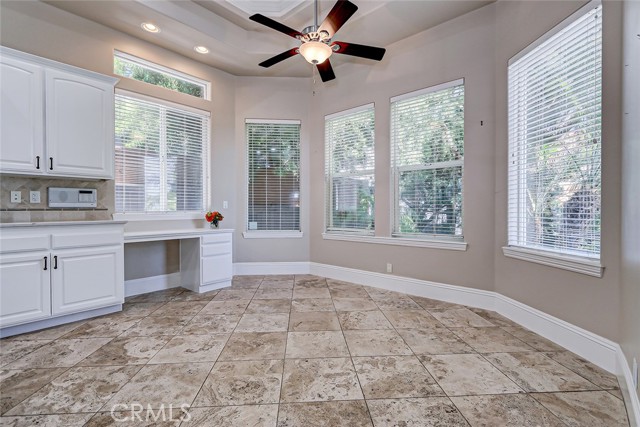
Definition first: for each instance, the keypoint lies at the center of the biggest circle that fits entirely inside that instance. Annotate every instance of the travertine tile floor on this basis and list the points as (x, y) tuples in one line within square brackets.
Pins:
[(304, 351)]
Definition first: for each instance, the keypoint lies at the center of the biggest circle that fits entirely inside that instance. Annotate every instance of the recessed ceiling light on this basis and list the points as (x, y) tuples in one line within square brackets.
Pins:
[(201, 49), (148, 26)]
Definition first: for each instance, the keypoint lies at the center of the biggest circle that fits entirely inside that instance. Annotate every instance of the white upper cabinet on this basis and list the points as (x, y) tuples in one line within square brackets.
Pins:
[(56, 119), (79, 114), (21, 117)]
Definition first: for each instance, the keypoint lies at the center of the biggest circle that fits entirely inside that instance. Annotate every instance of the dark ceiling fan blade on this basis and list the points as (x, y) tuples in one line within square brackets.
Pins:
[(363, 51), (278, 58), (341, 12), (261, 19), (326, 71)]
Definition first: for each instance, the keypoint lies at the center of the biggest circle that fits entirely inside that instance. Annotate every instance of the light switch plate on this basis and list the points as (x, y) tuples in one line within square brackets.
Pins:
[(16, 196), (34, 196), (225, 205)]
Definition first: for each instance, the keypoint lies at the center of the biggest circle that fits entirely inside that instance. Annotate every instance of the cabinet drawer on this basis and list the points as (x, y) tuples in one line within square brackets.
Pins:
[(216, 238), (216, 249), (76, 240), (25, 243)]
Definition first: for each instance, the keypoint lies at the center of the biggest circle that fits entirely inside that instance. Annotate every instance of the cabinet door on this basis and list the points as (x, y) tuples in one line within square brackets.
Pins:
[(88, 278), (216, 268), (21, 117), (80, 122), (25, 294)]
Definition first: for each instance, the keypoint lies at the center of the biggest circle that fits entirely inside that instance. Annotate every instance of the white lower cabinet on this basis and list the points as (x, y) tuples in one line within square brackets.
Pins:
[(25, 293), (75, 286), (81, 268), (216, 258)]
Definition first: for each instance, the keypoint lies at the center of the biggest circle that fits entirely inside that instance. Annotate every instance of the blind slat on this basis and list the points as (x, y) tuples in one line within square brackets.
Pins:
[(273, 164), (350, 170), (160, 157), (427, 136), (555, 140)]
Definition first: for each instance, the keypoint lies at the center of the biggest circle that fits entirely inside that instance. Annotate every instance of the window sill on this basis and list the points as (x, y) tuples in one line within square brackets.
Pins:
[(157, 216), (272, 234), (452, 245), (590, 267)]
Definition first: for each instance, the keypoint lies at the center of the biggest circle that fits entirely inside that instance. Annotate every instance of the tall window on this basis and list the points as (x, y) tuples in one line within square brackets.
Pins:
[(350, 164), (427, 138), (135, 68), (273, 156), (161, 154), (555, 138)]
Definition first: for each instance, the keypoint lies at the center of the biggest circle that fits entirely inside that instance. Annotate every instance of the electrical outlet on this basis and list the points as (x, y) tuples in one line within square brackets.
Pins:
[(16, 196), (225, 205), (635, 373), (389, 267), (34, 196)]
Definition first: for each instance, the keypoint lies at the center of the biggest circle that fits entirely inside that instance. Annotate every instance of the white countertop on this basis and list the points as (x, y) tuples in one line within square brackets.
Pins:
[(58, 223), (171, 233)]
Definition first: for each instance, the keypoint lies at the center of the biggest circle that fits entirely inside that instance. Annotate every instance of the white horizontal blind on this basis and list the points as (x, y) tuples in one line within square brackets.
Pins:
[(160, 157), (427, 137), (555, 139), (350, 170), (274, 176)]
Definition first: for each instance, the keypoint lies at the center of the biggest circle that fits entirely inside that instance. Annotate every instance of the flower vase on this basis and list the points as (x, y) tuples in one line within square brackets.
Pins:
[(213, 224)]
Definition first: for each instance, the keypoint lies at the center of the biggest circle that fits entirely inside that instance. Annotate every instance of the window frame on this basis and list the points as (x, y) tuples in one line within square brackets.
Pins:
[(439, 241), (152, 66), (206, 165), (328, 229), (567, 260), (270, 234)]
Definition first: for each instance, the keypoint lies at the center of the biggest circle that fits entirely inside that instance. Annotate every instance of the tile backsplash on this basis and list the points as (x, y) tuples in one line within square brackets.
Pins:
[(39, 212)]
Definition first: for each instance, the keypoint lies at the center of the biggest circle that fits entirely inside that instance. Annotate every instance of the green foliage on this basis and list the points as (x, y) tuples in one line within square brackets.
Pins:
[(275, 147), (125, 68), (430, 130)]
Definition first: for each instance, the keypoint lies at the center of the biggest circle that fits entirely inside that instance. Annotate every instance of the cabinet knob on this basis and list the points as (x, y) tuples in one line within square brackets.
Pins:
[(50, 163), (37, 162), (55, 262), (45, 263)]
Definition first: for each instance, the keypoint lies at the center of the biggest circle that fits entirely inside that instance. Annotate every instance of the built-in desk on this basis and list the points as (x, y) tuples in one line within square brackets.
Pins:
[(205, 255)]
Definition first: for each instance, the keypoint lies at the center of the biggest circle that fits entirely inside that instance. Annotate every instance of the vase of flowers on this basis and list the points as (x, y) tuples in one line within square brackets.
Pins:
[(213, 218)]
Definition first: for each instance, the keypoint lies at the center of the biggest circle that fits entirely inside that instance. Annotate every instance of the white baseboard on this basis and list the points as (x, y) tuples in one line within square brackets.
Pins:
[(151, 284), (57, 321), (625, 379), (260, 268), (592, 347)]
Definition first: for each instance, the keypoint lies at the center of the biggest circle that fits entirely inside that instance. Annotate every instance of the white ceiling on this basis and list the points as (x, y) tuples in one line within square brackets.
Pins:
[(237, 44)]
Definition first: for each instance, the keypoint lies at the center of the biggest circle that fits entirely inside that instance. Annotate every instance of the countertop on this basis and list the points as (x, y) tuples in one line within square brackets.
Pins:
[(57, 223)]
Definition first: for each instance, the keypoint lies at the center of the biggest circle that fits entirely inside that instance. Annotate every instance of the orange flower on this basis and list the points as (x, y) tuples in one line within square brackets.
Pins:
[(213, 216)]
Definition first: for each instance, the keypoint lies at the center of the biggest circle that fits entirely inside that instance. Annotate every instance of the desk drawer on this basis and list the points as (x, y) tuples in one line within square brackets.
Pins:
[(216, 249), (216, 238)]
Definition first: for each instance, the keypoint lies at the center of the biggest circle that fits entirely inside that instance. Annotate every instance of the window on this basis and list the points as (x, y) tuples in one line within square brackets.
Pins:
[(161, 153), (427, 139), (555, 139), (273, 156), (138, 69), (350, 164)]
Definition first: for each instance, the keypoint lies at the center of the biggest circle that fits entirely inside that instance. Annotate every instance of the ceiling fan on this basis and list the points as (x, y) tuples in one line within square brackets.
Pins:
[(316, 44)]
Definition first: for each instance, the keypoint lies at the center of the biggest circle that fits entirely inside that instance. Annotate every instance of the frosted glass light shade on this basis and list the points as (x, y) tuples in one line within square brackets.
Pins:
[(315, 52)]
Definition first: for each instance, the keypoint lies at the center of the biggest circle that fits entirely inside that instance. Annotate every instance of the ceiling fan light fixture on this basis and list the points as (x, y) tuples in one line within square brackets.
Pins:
[(315, 52)]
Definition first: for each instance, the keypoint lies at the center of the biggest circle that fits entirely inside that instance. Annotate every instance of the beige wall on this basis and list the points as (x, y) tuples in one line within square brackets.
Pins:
[(461, 48), (271, 98), (630, 293), (475, 47), (585, 301)]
